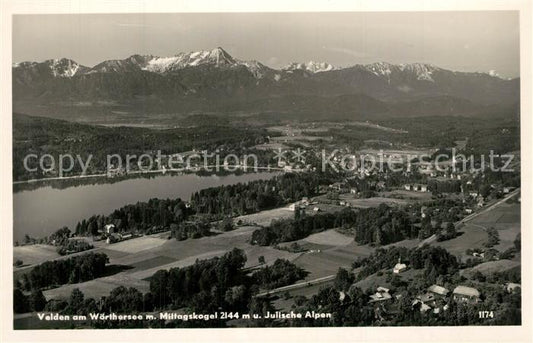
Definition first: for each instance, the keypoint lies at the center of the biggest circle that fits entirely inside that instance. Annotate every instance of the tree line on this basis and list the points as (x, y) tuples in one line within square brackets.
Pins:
[(381, 225), (70, 270)]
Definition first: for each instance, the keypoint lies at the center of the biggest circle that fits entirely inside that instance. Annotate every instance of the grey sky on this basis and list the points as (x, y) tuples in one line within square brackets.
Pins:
[(463, 41)]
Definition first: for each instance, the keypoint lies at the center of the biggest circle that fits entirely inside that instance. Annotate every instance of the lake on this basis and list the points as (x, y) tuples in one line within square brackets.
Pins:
[(42, 211)]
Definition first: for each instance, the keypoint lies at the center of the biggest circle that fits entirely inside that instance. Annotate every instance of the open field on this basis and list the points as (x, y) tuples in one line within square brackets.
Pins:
[(506, 219), (329, 237), (98, 287), (373, 202), (473, 237), (141, 257), (491, 267), (411, 195), (135, 245), (33, 254), (327, 262), (264, 218)]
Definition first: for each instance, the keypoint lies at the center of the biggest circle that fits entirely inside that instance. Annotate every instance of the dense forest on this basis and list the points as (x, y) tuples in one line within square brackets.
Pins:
[(209, 283), (381, 225), (240, 199), (71, 270), (281, 273)]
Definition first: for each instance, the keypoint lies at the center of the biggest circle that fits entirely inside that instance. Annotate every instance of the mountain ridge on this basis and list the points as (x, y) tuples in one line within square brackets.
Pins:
[(211, 78), (218, 56)]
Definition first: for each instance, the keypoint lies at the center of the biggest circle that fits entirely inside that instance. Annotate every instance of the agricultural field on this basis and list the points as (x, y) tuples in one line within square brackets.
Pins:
[(34, 254), (410, 195), (98, 287), (373, 202), (470, 237), (329, 237), (506, 220), (324, 262), (490, 267), (264, 218), (136, 260)]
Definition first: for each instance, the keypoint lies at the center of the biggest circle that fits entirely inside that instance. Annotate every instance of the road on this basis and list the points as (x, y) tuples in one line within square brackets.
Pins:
[(472, 216), (297, 285)]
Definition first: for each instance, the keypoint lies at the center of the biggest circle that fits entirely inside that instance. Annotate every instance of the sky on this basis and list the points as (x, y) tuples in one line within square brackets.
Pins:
[(461, 41)]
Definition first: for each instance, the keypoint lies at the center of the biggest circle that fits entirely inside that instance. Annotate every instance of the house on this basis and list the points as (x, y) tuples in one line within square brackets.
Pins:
[(382, 294), (109, 228), (468, 210), (353, 190), (466, 294), (305, 201), (399, 267), (407, 187), (438, 290), (512, 287), (316, 209), (473, 194)]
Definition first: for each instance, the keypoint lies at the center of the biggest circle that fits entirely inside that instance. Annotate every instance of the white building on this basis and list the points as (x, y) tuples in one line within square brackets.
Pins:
[(109, 228)]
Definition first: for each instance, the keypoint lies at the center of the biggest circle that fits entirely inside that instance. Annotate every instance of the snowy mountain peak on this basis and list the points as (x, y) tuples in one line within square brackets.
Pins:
[(217, 57), (380, 68), (311, 66), (421, 71), (63, 67)]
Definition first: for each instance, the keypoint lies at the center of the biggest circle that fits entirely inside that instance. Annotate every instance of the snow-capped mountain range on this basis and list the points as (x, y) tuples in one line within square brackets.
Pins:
[(215, 73), (218, 57)]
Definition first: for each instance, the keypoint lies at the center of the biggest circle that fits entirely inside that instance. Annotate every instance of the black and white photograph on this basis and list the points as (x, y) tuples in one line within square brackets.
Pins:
[(224, 170)]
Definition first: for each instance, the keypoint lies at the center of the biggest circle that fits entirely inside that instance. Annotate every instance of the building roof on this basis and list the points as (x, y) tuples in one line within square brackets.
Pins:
[(438, 289), (380, 296), (468, 291), (400, 266)]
